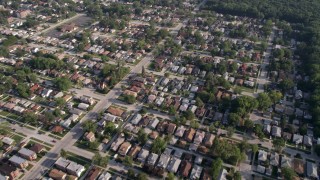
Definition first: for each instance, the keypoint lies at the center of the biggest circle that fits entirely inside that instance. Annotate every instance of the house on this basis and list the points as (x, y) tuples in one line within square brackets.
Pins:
[(18, 161), (174, 165), (200, 112), (46, 92), (274, 159), (105, 176), (171, 128), (93, 173), (62, 163), (180, 131), (298, 166), (189, 135), (27, 154), (307, 141), (261, 169), (163, 161), (57, 174), (57, 129), (153, 123), (136, 119), (75, 169), (124, 148), (116, 144), (37, 148), (143, 154), (312, 170), (89, 136), (83, 106), (7, 141), (115, 111), (276, 131), (223, 174), (185, 168), (134, 151), (285, 161), (196, 172), (297, 139), (109, 117), (208, 139), (9, 171), (198, 138), (279, 108), (152, 158), (262, 156)]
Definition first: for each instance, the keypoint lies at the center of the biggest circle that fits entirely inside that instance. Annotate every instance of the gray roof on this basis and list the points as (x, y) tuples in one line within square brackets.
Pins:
[(173, 165), (17, 160), (152, 159), (163, 161), (26, 152), (312, 170)]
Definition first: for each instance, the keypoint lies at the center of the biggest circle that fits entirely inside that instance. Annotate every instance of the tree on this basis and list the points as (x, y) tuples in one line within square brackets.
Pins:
[(275, 96), (278, 144), (129, 99), (142, 136), (23, 90), (128, 161), (131, 173), (142, 176), (216, 168), (30, 118), (237, 176), (170, 176), (317, 149), (189, 115), (143, 71), (63, 153), (288, 173), (237, 90), (254, 148), (60, 102), (89, 126), (63, 83), (230, 131), (234, 119), (286, 84), (264, 101), (94, 145), (158, 145), (248, 124), (172, 110), (99, 160), (199, 102)]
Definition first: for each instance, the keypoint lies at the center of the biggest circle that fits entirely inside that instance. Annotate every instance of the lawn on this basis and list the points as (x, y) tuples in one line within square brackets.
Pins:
[(42, 142), (17, 138), (78, 159)]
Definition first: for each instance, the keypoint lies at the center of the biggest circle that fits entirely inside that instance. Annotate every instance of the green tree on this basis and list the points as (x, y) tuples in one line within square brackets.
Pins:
[(278, 144), (142, 176), (158, 145), (275, 96), (264, 101), (170, 176), (93, 145), (63, 83), (99, 160), (288, 173), (131, 173), (237, 176), (60, 102), (254, 148), (89, 126), (142, 137), (199, 102), (128, 161), (234, 119), (216, 168), (248, 124), (230, 131), (129, 99), (63, 153), (30, 118), (317, 149), (286, 84), (189, 115)]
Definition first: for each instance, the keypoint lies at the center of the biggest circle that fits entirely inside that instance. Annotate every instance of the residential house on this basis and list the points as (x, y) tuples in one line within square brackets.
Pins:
[(93, 173), (276, 131), (196, 172), (57, 174), (115, 145), (189, 135), (262, 156), (198, 138), (136, 119), (171, 127), (134, 151), (115, 111), (27, 154), (142, 156), (180, 131), (37, 148), (174, 165), (152, 159), (285, 161), (298, 166), (75, 169), (208, 139), (185, 168), (307, 141), (7, 141), (89, 136), (18, 161), (274, 159), (297, 139), (124, 148), (9, 171), (163, 161), (312, 170)]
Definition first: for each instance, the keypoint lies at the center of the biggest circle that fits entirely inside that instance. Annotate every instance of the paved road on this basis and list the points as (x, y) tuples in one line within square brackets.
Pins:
[(59, 24), (263, 76)]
